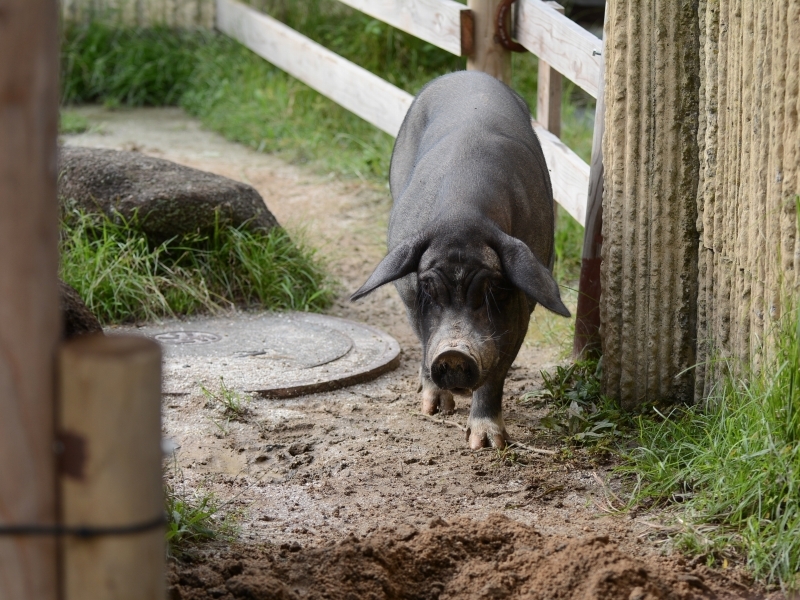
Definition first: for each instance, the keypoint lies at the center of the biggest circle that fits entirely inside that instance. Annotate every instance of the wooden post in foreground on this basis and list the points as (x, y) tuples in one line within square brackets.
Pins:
[(29, 316), (110, 405), (487, 53), (587, 316)]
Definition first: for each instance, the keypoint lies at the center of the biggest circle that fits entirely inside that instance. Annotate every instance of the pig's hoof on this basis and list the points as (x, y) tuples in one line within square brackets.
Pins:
[(435, 400), (484, 432)]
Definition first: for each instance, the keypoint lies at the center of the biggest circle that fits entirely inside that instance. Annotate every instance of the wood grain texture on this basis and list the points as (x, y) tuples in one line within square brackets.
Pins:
[(569, 174), (562, 43), (29, 314), (548, 95), (435, 21), (110, 393), (356, 89), (587, 339), (487, 54)]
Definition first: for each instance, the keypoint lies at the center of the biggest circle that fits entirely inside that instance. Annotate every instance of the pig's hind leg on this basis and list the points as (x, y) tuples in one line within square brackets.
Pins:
[(435, 399), (485, 426)]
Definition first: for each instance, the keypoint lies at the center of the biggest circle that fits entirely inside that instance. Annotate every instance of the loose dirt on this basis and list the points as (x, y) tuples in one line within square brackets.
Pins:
[(354, 494)]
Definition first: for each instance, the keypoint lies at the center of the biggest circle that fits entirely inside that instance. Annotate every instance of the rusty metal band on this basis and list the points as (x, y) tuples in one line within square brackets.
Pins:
[(502, 36), (82, 531)]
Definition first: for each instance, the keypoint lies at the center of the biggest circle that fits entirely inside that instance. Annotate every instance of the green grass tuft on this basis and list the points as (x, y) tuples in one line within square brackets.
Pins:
[(734, 465), (234, 404), (122, 276), (128, 66), (579, 411), (72, 122), (194, 517)]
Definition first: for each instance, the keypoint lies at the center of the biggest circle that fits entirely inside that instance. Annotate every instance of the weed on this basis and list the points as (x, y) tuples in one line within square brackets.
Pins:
[(507, 456), (124, 276), (234, 404), (72, 122), (732, 465), (194, 517), (223, 428), (579, 411)]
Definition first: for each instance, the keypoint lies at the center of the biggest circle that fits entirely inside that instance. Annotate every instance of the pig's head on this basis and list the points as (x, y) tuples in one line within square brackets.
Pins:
[(473, 295)]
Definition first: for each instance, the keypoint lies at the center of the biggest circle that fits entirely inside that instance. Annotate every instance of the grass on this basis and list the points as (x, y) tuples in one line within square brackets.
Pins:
[(547, 329), (123, 276), (72, 122), (579, 412), (234, 92), (190, 519), (127, 66), (234, 404), (194, 517), (731, 467)]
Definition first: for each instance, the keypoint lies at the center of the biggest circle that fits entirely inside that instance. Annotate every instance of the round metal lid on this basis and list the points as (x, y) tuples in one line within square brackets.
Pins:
[(273, 354)]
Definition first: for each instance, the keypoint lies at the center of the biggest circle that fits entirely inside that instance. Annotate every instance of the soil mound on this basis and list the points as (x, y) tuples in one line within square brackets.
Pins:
[(465, 560)]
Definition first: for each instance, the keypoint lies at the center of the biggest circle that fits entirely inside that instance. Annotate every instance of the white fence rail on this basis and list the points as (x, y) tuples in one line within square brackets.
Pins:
[(439, 22), (565, 45)]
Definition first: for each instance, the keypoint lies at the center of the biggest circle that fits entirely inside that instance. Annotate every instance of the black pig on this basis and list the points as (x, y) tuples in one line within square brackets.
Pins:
[(470, 241)]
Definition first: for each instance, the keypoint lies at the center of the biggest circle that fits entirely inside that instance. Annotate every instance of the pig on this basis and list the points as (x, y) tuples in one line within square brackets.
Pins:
[(470, 243)]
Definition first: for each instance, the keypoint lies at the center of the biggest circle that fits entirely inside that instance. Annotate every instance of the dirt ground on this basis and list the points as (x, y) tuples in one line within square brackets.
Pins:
[(354, 494)]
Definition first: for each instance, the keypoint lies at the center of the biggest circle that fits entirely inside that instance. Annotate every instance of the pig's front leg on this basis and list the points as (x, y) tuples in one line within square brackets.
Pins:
[(434, 398), (485, 425)]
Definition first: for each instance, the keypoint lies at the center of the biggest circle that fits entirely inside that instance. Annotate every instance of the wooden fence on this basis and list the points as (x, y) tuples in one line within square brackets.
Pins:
[(562, 46)]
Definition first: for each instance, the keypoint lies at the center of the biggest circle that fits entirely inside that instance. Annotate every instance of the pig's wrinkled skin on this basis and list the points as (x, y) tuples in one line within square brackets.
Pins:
[(470, 241)]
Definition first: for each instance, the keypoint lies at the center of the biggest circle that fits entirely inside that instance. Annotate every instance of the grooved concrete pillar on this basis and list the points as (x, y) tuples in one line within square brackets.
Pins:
[(649, 271), (749, 250)]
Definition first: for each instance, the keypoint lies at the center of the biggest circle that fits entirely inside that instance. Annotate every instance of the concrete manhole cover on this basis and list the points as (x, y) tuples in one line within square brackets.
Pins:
[(276, 355), (173, 338)]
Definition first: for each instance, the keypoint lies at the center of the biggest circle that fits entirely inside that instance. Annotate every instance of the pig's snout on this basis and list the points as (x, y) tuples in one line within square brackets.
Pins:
[(455, 370)]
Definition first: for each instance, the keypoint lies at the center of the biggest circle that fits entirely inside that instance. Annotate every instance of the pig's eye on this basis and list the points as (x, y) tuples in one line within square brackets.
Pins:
[(427, 290), (497, 293)]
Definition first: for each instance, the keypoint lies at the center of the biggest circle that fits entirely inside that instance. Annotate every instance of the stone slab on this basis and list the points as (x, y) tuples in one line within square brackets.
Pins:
[(276, 355)]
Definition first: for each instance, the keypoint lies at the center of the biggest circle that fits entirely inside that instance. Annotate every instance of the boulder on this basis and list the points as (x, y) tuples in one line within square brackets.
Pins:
[(76, 318), (159, 197)]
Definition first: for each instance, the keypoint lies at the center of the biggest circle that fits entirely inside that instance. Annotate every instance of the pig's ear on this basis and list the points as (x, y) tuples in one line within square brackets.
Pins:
[(401, 261), (525, 271)]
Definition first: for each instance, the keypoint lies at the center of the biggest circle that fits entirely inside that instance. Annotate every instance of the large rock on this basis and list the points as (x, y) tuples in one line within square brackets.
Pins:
[(76, 318), (166, 198)]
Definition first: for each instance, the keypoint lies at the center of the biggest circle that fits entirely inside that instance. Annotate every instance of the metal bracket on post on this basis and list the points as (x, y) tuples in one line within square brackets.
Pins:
[(502, 36)]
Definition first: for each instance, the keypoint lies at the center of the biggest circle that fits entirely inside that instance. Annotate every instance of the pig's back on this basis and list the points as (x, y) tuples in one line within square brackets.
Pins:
[(466, 131)]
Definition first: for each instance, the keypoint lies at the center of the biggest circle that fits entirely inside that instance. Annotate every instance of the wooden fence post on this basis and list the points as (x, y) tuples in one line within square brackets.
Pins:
[(487, 53), (548, 96), (587, 315), (29, 317), (110, 419), (548, 100)]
